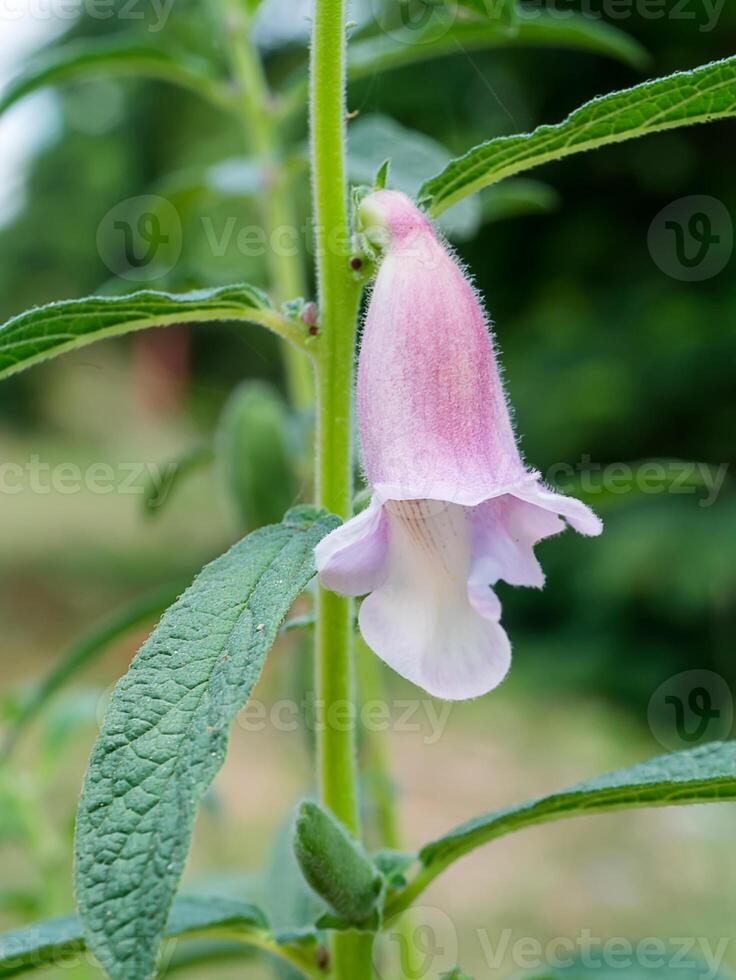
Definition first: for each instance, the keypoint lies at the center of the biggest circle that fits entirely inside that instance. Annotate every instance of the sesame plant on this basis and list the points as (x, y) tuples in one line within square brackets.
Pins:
[(451, 507)]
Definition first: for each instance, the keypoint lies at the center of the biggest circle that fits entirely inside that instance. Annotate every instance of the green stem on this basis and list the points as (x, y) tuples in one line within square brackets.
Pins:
[(338, 299), (302, 958), (255, 108), (339, 296)]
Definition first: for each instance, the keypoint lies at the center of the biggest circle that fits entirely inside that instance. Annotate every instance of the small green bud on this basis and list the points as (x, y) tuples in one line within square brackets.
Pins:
[(335, 865)]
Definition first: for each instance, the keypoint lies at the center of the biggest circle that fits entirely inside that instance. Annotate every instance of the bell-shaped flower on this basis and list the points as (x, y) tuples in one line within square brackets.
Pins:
[(454, 509)]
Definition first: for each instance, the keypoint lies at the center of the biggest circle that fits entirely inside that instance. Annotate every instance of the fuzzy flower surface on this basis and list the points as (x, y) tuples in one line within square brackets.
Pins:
[(454, 509)]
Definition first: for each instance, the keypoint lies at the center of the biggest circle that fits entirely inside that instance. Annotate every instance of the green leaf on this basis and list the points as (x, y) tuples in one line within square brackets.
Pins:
[(456, 974), (414, 154), (402, 47), (701, 95), (84, 651), (120, 57), (335, 865), (208, 954), (700, 775), (253, 453), (379, 182), (393, 865), (54, 940), (165, 736), (59, 327)]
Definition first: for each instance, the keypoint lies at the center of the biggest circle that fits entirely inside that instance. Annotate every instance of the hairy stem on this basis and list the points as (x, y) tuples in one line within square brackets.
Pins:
[(339, 295)]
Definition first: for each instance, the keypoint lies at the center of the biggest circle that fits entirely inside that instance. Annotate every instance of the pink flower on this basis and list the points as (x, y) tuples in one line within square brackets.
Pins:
[(454, 509)]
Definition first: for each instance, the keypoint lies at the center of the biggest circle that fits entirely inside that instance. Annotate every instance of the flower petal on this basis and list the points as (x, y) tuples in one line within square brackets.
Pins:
[(421, 620), (351, 559), (576, 513), (505, 530), (432, 412)]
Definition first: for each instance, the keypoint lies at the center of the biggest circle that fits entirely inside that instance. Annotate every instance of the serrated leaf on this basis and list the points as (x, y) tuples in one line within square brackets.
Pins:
[(83, 651), (53, 329), (385, 52), (335, 865), (697, 775), (127, 56), (700, 775), (701, 95), (52, 941), (165, 736)]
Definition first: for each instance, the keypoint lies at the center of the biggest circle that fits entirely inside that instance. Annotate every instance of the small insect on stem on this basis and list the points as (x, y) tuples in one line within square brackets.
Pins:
[(323, 957)]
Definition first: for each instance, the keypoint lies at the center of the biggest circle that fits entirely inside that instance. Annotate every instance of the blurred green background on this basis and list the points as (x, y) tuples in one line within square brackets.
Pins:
[(608, 359)]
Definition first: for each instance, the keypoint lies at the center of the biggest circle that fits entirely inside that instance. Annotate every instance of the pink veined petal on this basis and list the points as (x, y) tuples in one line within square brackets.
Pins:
[(351, 559), (505, 530), (420, 620), (482, 597), (454, 508), (432, 411), (576, 513)]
